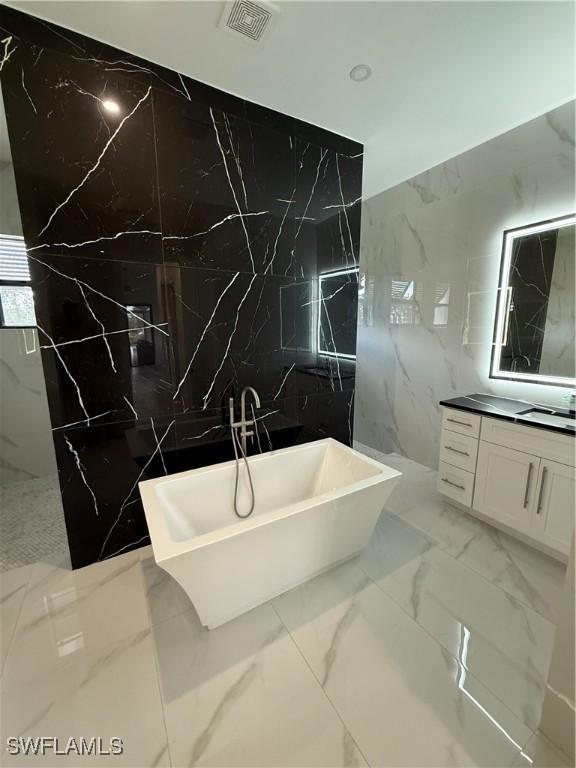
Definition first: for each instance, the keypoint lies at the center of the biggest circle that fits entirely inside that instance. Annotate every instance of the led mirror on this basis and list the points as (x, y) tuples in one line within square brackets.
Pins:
[(534, 330)]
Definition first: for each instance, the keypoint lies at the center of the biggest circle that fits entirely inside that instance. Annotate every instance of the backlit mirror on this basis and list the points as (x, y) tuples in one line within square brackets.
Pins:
[(534, 330)]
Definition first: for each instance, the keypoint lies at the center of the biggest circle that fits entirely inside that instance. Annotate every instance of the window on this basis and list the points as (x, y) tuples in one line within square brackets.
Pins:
[(16, 302)]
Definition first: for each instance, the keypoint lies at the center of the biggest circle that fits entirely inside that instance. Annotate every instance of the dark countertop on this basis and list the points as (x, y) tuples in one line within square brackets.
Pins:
[(508, 409), (342, 372)]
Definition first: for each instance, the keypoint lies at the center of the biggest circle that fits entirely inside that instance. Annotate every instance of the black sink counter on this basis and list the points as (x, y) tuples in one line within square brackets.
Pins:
[(510, 410)]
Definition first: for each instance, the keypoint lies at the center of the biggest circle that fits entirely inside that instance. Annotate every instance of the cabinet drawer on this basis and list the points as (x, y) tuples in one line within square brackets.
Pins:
[(455, 483), (458, 450), (533, 440), (463, 422)]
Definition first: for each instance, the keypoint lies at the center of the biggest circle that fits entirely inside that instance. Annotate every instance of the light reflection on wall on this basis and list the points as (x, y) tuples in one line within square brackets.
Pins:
[(441, 304), (406, 296)]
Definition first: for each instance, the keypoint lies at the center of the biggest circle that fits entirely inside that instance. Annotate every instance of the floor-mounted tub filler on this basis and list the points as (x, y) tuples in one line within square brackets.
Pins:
[(316, 505)]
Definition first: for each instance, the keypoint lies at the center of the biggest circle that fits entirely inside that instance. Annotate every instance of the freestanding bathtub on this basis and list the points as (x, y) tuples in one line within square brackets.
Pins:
[(316, 505)]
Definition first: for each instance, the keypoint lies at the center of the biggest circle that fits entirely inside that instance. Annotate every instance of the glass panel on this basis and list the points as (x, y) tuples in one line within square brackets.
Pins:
[(13, 259), (17, 305), (31, 514)]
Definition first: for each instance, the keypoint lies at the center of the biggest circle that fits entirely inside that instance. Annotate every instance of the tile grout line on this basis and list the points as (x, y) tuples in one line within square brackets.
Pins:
[(442, 649), (328, 699), (442, 546), (468, 567)]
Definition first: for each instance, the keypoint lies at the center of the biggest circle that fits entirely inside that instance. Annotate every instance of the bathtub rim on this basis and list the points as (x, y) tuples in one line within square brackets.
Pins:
[(165, 547)]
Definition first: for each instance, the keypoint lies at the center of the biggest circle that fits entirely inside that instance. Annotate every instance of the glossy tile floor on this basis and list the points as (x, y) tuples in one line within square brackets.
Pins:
[(430, 649)]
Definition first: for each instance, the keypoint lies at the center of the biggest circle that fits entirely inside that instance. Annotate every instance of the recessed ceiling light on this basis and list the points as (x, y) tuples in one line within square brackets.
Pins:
[(110, 106), (360, 72)]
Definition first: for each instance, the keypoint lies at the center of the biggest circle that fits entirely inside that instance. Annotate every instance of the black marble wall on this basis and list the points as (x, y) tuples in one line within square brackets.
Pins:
[(176, 248)]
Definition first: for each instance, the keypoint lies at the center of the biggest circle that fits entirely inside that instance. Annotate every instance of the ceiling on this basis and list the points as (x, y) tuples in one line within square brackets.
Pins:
[(446, 75)]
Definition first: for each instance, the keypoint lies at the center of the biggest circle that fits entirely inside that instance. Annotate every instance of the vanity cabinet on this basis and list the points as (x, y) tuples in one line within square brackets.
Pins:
[(521, 478), (506, 485), (555, 504)]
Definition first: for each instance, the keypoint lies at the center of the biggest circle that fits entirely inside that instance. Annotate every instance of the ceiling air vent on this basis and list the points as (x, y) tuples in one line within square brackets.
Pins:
[(251, 20)]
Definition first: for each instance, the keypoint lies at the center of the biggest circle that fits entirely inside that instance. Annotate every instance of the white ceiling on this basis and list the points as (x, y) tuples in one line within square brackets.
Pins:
[(446, 75)]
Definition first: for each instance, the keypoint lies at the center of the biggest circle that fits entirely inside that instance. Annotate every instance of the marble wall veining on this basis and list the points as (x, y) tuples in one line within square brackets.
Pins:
[(430, 258), (176, 241), (558, 352)]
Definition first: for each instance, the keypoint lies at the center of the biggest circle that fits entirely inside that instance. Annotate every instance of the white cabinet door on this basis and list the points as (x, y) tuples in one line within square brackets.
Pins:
[(554, 510), (505, 485)]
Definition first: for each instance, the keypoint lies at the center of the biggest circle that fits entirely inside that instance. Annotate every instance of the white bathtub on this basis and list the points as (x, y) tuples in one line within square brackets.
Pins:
[(316, 505)]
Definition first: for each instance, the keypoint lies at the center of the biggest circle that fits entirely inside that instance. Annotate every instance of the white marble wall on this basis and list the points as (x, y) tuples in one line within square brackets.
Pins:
[(437, 238), (557, 356)]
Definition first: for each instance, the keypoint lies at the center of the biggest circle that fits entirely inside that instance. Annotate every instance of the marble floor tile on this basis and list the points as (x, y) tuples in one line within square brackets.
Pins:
[(13, 586), (430, 648), (452, 528), (541, 753), (525, 573), (111, 693), (394, 544), (50, 573), (165, 596), (414, 487), (242, 695), (405, 700), (66, 613), (500, 640)]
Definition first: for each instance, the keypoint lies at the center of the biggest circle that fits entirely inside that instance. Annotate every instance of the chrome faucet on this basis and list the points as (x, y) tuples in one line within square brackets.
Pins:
[(244, 422)]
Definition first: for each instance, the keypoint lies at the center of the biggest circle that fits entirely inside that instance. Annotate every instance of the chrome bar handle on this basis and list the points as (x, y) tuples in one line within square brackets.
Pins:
[(541, 494), (455, 421), (527, 489), (456, 450), (454, 485)]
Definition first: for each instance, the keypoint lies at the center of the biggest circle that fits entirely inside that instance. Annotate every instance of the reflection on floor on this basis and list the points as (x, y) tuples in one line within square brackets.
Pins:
[(430, 649), (31, 522)]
